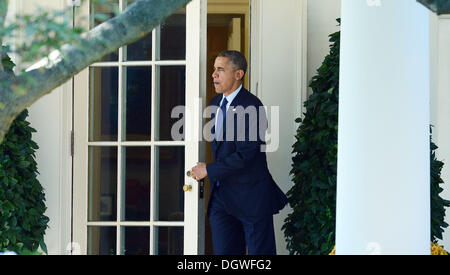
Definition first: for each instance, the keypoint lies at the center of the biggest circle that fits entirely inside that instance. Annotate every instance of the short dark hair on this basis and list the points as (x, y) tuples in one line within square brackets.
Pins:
[(237, 59)]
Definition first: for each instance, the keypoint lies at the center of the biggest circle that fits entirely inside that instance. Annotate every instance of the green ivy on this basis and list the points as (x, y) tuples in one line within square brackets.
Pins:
[(310, 228), (22, 199), (438, 204)]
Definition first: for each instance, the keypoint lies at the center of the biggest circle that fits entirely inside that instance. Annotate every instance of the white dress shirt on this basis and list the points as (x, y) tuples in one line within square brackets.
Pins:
[(230, 98)]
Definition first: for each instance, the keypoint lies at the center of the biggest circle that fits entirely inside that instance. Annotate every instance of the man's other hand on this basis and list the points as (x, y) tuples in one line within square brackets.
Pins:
[(199, 172)]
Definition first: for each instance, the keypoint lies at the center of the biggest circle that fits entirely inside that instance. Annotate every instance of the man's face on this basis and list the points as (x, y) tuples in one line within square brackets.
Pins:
[(226, 78)]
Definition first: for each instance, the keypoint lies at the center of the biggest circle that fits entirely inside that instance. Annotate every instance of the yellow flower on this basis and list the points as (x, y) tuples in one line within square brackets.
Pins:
[(436, 249), (333, 252)]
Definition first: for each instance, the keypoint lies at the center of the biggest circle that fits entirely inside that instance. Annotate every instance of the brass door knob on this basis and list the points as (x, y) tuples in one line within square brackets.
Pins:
[(187, 188)]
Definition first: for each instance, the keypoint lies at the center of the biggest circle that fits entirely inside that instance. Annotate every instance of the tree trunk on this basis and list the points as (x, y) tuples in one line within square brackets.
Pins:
[(18, 93)]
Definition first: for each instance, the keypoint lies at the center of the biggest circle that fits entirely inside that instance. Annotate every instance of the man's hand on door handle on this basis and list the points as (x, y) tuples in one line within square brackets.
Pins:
[(199, 172)]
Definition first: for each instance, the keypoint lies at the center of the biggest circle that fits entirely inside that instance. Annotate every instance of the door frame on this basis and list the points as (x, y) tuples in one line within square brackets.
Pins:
[(195, 63), (256, 51)]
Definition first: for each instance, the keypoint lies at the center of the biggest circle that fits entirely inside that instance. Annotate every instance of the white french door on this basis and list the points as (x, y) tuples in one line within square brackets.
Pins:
[(129, 172)]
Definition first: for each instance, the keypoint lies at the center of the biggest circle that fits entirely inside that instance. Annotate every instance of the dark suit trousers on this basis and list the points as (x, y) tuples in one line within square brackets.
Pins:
[(232, 234)]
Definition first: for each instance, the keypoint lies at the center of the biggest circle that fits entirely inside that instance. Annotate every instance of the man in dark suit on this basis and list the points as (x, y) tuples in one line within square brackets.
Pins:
[(244, 196)]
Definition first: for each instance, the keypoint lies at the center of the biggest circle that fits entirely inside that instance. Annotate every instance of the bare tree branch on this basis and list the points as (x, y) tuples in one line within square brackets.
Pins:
[(134, 23)]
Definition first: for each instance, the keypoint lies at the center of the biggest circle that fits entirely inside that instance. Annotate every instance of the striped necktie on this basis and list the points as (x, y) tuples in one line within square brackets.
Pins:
[(221, 121), (221, 124)]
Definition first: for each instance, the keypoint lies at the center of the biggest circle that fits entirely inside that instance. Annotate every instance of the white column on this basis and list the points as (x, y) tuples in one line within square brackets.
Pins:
[(383, 185)]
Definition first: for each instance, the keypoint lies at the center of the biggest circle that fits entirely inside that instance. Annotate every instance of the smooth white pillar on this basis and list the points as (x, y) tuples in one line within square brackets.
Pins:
[(383, 177)]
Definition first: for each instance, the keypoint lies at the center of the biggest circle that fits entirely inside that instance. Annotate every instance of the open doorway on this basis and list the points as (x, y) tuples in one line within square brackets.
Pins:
[(228, 29)]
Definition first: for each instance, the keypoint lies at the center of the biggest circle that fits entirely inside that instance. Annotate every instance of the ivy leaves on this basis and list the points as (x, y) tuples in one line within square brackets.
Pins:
[(438, 204), (309, 229), (22, 199)]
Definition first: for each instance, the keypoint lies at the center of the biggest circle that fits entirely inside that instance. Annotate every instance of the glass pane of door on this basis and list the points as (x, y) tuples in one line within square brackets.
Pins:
[(136, 240), (172, 37), (170, 95), (101, 12), (137, 103), (141, 50), (103, 103), (136, 191), (102, 186), (169, 240), (169, 183), (101, 240)]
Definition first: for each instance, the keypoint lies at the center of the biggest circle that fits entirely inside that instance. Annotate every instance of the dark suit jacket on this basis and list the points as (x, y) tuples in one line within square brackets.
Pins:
[(247, 187)]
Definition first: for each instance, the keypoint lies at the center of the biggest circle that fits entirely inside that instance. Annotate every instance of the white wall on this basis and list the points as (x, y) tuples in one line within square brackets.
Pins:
[(322, 15), (277, 78), (51, 116)]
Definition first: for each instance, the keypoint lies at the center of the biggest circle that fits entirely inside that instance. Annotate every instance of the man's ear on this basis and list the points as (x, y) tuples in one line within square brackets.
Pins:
[(239, 74)]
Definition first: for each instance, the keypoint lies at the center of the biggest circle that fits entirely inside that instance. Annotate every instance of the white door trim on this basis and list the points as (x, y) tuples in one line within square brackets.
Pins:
[(196, 95)]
